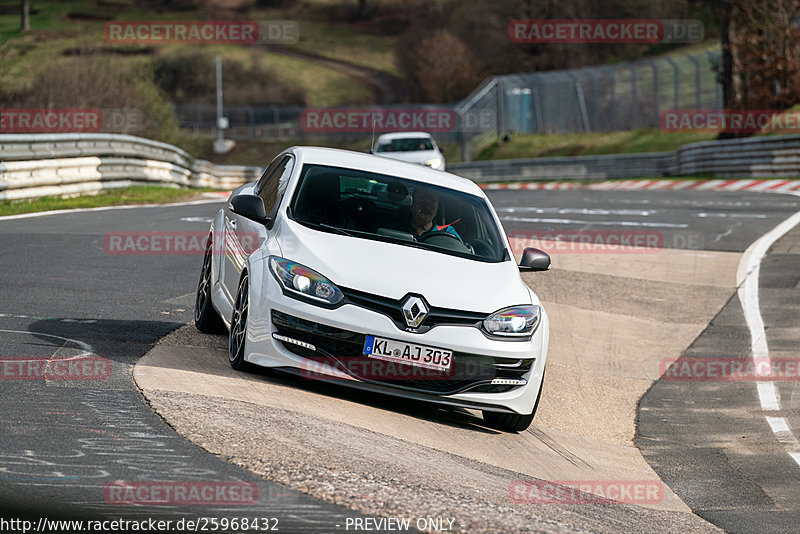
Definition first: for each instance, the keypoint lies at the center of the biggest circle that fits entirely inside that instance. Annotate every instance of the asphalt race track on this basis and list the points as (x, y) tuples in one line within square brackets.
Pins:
[(63, 441)]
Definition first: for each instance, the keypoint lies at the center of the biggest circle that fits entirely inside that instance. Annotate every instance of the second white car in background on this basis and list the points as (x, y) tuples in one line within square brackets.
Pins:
[(413, 147)]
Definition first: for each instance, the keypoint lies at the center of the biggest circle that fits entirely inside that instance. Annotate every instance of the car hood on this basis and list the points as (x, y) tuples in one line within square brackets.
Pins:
[(393, 270), (413, 156)]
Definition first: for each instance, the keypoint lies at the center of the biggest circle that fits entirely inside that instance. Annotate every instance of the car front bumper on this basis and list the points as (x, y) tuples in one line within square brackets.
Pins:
[(487, 373)]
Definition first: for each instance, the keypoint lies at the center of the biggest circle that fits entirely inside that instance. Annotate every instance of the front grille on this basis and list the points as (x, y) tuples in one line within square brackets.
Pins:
[(344, 348), (392, 309)]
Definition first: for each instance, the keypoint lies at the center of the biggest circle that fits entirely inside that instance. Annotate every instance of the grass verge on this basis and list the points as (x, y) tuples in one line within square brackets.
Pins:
[(590, 144), (136, 194)]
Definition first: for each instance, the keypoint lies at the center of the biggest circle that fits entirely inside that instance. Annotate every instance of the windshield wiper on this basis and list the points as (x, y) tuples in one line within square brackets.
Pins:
[(323, 226)]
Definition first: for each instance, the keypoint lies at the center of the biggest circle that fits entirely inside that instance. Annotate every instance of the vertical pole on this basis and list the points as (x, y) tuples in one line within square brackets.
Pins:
[(25, 7), (656, 120), (675, 82), (561, 90), (718, 86), (697, 97), (578, 86), (612, 119), (218, 62), (501, 119), (595, 97), (634, 103)]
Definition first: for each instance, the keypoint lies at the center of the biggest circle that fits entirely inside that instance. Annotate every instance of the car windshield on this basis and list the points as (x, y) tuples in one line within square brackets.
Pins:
[(407, 144), (387, 208)]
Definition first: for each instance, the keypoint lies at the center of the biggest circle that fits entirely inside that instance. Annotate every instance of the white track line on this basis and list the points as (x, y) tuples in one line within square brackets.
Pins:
[(107, 208), (87, 349), (550, 220), (747, 282)]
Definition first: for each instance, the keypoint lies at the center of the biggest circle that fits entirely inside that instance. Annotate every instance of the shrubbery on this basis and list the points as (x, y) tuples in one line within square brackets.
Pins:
[(96, 82), (190, 78)]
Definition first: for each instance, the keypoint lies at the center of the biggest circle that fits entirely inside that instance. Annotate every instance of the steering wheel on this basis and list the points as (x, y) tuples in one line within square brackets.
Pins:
[(430, 235), (447, 241)]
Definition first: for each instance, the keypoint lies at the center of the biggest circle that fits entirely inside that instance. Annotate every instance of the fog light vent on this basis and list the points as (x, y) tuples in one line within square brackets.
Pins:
[(509, 381), (294, 342)]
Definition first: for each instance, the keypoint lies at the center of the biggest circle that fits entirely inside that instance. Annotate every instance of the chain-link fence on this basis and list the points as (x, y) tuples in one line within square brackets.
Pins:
[(600, 99), (594, 99)]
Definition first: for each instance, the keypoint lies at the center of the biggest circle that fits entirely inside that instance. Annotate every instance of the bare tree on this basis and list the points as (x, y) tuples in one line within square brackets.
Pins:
[(722, 12), (760, 62), (362, 9), (766, 53)]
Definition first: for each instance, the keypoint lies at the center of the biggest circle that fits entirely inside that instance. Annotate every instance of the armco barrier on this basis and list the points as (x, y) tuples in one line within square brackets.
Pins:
[(63, 164), (36, 165), (566, 168), (754, 157)]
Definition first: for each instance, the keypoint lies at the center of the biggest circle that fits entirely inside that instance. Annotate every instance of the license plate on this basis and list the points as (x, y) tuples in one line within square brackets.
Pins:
[(410, 353)]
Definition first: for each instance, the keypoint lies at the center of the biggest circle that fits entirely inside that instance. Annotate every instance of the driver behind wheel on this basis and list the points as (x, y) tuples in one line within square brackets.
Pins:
[(424, 206)]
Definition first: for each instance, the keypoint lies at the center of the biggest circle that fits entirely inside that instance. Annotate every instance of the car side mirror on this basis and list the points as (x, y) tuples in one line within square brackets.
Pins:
[(534, 259), (442, 150), (250, 207)]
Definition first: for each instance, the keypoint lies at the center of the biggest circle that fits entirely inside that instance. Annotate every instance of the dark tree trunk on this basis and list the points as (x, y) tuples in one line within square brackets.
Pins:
[(722, 12), (726, 56)]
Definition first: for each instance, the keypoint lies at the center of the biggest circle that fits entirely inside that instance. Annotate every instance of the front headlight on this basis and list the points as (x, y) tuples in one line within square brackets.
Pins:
[(516, 321), (434, 163), (304, 282)]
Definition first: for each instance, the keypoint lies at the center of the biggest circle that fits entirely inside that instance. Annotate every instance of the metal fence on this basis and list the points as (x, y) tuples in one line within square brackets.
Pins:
[(594, 99), (599, 99)]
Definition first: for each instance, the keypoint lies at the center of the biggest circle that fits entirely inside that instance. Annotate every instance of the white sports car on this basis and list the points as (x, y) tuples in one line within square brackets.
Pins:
[(381, 274)]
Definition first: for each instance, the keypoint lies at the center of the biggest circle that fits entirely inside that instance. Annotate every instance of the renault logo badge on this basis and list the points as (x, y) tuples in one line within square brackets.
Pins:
[(414, 311)]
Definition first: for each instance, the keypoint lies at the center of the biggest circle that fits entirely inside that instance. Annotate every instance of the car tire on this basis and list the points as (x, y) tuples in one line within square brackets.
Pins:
[(206, 318), (509, 422), (512, 422), (238, 333)]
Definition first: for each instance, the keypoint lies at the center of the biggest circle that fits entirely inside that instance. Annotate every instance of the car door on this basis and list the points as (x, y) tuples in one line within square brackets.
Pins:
[(243, 236)]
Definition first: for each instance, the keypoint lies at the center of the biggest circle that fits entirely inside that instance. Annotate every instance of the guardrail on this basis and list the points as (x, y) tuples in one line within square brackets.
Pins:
[(753, 157), (64, 164), (38, 165)]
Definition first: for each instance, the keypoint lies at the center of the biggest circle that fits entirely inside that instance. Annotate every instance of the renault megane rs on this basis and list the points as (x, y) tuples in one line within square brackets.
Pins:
[(384, 275)]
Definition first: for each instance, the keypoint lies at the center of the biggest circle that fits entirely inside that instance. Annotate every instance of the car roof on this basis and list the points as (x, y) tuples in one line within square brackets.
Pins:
[(367, 162), (403, 135)]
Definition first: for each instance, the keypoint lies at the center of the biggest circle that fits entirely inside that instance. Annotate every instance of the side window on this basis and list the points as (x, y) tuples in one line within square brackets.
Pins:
[(283, 182), (266, 173), (273, 185)]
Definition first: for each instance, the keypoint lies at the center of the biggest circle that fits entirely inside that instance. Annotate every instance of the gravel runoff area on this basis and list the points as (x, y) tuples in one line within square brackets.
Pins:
[(377, 474)]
